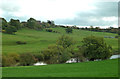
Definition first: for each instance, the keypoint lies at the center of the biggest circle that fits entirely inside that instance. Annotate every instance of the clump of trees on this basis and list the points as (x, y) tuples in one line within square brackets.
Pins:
[(10, 59), (60, 52), (8, 27), (4, 23), (96, 48), (34, 24), (13, 25), (10, 30), (14, 59), (55, 54)]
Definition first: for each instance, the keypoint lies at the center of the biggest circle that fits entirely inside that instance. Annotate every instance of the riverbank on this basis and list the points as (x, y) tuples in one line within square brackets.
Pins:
[(105, 68)]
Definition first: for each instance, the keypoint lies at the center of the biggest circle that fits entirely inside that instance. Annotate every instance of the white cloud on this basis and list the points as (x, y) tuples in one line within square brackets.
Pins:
[(113, 18), (48, 9)]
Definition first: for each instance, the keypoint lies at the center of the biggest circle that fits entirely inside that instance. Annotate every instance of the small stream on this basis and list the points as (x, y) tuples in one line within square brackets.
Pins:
[(73, 60), (115, 56)]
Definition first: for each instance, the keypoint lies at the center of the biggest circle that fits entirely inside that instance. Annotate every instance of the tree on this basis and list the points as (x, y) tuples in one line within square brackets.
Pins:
[(10, 30), (15, 23), (27, 59), (31, 23), (60, 52), (68, 30), (55, 54), (51, 23), (4, 24), (34, 24), (91, 28), (65, 41), (96, 48), (97, 28), (78, 54)]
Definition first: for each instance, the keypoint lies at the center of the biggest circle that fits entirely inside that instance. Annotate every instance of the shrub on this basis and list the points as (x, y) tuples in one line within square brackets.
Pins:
[(49, 30), (8, 61), (68, 30), (3, 31), (39, 56), (15, 56), (116, 36), (27, 59), (20, 42)]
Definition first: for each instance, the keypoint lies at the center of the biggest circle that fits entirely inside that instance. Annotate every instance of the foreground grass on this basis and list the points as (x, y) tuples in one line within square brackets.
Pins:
[(39, 40), (106, 68)]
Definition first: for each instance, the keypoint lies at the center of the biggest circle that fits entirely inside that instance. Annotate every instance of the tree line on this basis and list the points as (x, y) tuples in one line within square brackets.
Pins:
[(98, 29), (13, 25)]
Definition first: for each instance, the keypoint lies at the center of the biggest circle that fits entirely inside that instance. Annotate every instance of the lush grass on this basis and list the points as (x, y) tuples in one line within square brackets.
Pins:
[(106, 68), (39, 40)]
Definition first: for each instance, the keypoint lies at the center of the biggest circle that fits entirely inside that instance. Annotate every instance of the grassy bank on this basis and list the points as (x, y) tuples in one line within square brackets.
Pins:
[(106, 68)]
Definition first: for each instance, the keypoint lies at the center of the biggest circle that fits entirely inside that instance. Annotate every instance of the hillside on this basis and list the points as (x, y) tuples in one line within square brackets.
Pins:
[(39, 40)]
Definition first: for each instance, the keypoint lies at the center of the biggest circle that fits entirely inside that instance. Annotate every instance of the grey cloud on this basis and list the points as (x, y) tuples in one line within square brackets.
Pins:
[(104, 9), (9, 6), (9, 15)]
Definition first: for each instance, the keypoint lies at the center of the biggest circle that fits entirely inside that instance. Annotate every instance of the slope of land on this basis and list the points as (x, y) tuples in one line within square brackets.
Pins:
[(39, 40)]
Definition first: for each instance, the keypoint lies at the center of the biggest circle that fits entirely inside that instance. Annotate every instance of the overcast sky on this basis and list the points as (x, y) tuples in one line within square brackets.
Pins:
[(66, 12)]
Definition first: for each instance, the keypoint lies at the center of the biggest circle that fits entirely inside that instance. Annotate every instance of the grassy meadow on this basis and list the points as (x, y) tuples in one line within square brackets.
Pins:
[(105, 68), (39, 40)]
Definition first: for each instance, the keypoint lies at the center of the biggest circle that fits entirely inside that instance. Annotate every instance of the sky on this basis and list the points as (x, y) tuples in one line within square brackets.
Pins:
[(102, 13)]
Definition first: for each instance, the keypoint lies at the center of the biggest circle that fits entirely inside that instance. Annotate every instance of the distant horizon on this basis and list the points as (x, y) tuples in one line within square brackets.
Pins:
[(115, 26)]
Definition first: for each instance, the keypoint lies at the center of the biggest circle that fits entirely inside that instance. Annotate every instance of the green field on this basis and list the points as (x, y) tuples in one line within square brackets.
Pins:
[(105, 68), (39, 40)]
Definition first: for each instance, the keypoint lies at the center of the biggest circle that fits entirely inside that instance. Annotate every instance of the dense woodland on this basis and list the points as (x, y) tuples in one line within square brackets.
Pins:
[(93, 47)]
